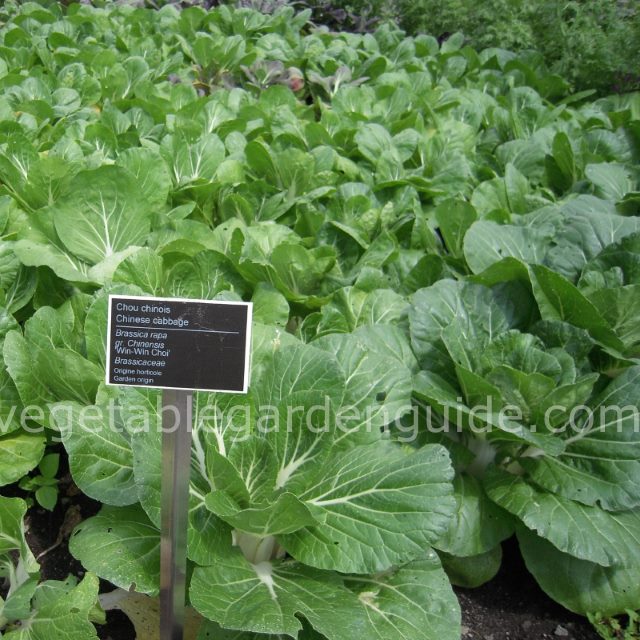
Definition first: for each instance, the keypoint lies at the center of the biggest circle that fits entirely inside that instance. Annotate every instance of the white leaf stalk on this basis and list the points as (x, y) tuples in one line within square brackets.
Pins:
[(257, 549)]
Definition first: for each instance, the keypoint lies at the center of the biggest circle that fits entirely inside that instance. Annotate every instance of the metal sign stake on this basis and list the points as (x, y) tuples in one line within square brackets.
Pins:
[(176, 466)]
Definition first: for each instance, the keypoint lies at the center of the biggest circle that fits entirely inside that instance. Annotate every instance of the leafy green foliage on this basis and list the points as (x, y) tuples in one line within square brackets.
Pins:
[(33, 610), (45, 484), (443, 255), (626, 627), (588, 43)]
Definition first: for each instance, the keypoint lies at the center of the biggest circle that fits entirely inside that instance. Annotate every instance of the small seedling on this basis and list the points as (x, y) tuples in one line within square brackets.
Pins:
[(45, 484), (625, 627)]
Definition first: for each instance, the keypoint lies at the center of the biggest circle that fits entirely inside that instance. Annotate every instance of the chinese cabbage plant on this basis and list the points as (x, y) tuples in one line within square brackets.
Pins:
[(286, 519), (33, 610)]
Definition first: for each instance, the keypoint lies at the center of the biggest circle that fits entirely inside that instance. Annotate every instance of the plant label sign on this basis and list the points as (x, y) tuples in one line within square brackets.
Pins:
[(176, 343)]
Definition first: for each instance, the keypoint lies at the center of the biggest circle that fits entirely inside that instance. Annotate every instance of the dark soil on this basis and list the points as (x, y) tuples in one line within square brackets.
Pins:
[(513, 607), (43, 532), (47, 533), (118, 627), (509, 607)]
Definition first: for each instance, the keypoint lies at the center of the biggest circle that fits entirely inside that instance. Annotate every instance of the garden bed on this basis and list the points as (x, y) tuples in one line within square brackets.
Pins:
[(442, 249), (511, 606)]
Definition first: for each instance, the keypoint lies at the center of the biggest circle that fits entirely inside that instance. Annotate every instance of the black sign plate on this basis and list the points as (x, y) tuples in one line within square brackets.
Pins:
[(175, 343)]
